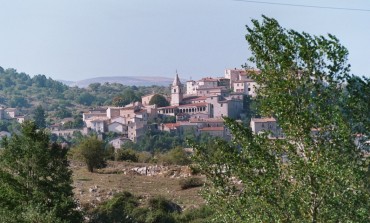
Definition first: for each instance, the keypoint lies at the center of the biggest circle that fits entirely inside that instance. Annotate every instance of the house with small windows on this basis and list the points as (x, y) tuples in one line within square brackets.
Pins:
[(266, 125), (118, 142), (246, 87)]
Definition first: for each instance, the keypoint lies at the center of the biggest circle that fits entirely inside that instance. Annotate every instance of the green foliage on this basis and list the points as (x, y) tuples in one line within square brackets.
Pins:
[(91, 151), (35, 183), (118, 209), (86, 99), (39, 117), (191, 182), (127, 155), (126, 98), (60, 101), (250, 108), (165, 119), (63, 112), (125, 207), (158, 141), (356, 103), (144, 157), (159, 100), (18, 101), (163, 205), (304, 177), (176, 156), (204, 214)]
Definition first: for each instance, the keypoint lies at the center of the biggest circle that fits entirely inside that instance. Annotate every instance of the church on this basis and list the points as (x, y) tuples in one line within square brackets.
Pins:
[(207, 101)]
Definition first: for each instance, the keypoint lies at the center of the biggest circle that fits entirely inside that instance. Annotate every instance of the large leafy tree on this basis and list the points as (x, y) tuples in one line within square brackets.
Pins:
[(35, 182), (316, 173), (159, 100), (91, 151)]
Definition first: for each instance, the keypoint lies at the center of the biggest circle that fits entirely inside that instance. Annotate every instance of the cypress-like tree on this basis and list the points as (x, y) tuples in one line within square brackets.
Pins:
[(35, 182), (39, 117)]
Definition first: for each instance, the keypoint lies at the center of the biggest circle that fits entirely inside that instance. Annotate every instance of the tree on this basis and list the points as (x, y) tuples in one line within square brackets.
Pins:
[(118, 101), (18, 101), (94, 86), (92, 152), (86, 99), (159, 100), (304, 177), (356, 103), (35, 183), (39, 116)]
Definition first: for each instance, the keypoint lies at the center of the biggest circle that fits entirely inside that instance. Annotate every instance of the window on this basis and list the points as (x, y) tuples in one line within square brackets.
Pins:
[(249, 89)]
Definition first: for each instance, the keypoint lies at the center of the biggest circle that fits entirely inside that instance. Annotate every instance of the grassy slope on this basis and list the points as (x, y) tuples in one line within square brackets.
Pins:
[(117, 177)]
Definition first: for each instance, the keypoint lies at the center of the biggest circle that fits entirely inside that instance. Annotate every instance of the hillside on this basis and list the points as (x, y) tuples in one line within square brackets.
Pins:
[(19, 90), (93, 188), (125, 80)]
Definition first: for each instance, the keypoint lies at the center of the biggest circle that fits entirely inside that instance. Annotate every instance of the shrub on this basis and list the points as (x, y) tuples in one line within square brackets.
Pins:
[(118, 209), (127, 155), (195, 169), (191, 182), (144, 157), (164, 205), (176, 156), (159, 217), (203, 214)]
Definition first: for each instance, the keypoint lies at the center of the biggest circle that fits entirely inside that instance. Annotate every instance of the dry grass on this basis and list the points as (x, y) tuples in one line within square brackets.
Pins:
[(93, 188)]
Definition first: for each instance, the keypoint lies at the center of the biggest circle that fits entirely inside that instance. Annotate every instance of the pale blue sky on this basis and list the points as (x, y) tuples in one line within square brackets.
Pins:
[(79, 39)]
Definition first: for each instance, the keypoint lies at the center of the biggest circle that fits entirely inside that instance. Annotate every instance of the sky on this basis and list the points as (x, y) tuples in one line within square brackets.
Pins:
[(79, 39)]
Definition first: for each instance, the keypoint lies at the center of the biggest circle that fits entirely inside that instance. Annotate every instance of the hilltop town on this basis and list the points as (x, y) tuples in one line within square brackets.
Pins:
[(197, 106)]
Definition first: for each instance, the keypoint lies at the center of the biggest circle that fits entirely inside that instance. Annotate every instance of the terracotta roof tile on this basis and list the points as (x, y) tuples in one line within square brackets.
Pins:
[(212, 129)]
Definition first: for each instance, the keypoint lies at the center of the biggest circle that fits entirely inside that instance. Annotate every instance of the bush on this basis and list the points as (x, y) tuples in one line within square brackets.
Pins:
[(191, 182), (159, 217), (118, 209), (176, 156), (110, 153), (195, 169), (145, 157), (127, 155), (204, 214), (164, 205), (125, 207)]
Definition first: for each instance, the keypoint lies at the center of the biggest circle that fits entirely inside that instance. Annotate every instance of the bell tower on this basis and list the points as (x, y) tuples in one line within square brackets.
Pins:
[(176, 91)]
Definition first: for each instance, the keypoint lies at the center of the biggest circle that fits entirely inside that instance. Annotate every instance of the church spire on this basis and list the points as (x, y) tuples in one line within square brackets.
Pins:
[(176, 81), (176, 91)]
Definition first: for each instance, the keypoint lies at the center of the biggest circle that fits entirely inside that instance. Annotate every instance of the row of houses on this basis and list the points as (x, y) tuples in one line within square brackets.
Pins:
[(11, 113), (236, 80)]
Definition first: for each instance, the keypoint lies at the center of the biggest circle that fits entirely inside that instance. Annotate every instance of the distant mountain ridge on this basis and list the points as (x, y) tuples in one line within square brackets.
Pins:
[(125, 80)]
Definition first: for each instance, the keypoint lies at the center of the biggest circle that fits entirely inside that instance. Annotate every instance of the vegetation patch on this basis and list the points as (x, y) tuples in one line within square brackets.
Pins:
[(191, 182)]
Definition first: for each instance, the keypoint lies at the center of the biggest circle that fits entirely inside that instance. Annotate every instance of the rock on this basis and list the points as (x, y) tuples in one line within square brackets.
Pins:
[(92, 190)]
